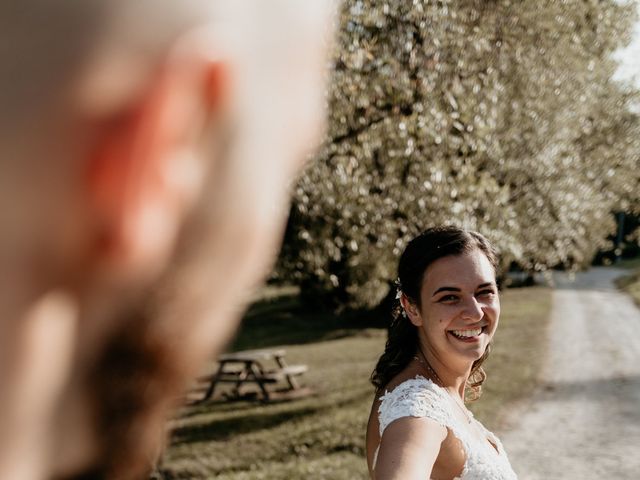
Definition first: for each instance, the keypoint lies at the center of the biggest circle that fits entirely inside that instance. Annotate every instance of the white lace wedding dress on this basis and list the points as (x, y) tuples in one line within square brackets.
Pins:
[(420, 397)]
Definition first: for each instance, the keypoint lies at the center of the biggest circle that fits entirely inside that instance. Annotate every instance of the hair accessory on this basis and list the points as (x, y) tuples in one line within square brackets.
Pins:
[(398, 288), (399, 296)]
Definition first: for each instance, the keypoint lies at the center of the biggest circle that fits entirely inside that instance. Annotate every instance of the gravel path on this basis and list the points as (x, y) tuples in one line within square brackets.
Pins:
[(584, 423)]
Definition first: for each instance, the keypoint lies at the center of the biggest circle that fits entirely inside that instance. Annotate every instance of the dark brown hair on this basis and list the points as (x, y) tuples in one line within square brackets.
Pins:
[(422, 251)]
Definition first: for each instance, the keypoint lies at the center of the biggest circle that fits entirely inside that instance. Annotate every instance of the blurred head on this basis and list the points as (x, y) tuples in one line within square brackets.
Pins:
[(146, 149), (445, 275)]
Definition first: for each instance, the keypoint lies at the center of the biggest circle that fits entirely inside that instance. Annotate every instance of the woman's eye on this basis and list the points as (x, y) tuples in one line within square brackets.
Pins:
[(486, 293), (448, 298)]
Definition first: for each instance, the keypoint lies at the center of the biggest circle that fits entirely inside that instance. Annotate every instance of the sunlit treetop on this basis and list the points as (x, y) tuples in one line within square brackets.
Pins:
[(498, 116)]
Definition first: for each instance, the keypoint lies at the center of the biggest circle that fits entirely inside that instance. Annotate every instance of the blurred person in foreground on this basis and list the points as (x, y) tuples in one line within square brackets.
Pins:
[(146, 147)]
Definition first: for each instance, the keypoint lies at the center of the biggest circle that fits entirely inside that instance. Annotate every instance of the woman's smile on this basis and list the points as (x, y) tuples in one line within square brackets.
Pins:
[(468, 335)]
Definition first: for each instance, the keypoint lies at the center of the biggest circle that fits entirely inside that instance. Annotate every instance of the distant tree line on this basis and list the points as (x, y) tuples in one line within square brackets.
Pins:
[(499, 116)]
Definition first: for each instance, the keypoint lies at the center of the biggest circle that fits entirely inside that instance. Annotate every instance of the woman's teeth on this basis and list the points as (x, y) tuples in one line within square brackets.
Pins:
[(467, 333)]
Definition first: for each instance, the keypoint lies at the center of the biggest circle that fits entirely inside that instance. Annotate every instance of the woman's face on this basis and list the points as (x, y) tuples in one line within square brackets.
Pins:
[(459, 309)]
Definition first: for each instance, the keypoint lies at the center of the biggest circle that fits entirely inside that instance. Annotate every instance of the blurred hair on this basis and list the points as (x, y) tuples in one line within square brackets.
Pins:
[(47, 43), (420, 253)]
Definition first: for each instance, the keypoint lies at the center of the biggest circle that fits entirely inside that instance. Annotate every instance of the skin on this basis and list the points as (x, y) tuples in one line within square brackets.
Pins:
[(153, 173), (458, 293)]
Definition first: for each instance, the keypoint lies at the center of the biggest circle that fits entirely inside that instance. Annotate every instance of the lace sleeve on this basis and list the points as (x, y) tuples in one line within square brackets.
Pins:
[(417, 397)]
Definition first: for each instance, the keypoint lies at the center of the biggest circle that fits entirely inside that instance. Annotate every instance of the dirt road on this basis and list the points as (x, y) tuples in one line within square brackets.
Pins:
[(584, 423)]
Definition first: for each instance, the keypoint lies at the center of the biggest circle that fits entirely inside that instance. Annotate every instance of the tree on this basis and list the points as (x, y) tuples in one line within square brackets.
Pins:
[(499, 116)]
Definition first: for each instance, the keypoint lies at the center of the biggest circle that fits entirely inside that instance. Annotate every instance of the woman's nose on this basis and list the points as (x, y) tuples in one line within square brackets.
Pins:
[(472, 309)]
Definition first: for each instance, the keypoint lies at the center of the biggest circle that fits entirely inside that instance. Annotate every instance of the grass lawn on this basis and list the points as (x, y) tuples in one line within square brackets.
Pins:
[(629, 263), (322, 436), (631, 283)]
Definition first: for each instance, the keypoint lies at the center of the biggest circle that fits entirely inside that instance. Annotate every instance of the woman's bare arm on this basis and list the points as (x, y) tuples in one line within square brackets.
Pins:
[(408, 449)]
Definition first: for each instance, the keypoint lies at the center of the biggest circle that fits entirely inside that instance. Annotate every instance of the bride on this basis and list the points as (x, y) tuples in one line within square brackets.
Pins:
[(448, 311)]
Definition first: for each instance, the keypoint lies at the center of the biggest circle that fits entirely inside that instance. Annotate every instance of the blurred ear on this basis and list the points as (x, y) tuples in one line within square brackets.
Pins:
[(146, 167), (412, 310)]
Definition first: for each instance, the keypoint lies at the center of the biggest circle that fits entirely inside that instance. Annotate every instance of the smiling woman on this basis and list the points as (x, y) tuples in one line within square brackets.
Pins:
[(447, 313)]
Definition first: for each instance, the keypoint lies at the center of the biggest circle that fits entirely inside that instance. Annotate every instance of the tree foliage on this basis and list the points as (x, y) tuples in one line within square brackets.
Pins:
[(499, 116)]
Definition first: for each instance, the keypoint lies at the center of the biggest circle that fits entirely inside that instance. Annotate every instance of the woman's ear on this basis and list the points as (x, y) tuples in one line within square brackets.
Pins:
[(147, 166), (411, 310)]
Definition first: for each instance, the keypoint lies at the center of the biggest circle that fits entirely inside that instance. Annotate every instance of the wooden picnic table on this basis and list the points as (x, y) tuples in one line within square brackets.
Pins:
[(251, 367)]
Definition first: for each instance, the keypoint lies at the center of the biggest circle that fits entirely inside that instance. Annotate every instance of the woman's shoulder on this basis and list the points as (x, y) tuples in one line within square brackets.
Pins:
[(409, 386), (416, 396)]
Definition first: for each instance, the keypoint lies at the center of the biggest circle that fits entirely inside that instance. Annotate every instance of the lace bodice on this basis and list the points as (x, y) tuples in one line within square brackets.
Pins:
[(420, 397)]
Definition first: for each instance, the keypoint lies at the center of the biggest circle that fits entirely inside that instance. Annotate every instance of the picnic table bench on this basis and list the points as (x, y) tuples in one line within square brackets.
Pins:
[(250, 367)]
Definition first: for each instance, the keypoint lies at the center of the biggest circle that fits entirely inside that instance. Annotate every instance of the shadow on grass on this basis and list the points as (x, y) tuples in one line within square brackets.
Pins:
[(224, 428), (221, 429), (286, 321), (219, 405)]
